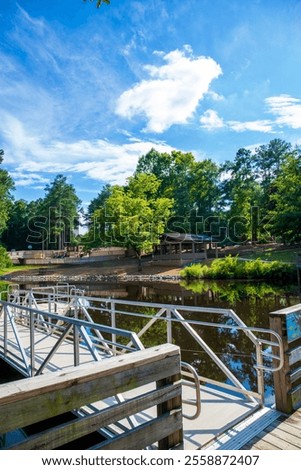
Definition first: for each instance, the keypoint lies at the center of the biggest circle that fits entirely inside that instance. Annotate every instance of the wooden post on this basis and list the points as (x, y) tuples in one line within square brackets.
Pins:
[(287, 323), (170, 407)]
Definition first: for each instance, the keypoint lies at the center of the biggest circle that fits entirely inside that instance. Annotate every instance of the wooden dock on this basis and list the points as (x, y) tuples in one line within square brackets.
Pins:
[(219, 409), (267, 429), (283, 434), (43, 339)]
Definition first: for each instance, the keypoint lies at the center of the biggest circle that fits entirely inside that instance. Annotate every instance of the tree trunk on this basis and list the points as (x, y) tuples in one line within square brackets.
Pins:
[(139, 262)]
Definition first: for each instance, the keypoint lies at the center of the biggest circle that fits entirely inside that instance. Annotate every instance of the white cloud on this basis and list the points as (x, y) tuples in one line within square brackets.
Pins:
[(33, 180), (31, 158), (173, 91), (286, 109), (210, 120), (256, 126)]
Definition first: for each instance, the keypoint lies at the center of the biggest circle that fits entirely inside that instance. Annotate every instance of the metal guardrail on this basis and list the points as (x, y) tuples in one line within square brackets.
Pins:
[(82, 334), (263, 340)]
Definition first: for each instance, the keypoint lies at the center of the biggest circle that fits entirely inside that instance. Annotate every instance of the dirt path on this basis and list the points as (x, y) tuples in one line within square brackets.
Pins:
[(125, 266)]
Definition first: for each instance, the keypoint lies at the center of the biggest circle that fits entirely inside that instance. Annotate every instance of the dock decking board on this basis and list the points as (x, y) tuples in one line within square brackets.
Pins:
[(283, 434)]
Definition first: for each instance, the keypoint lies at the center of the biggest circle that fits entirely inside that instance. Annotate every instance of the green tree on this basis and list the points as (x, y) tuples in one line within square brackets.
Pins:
[(268, 161), (16, 233), (6, 187), (160, 165), (205, 194), (5, 261), (286, 198), (59, 210), (241, 192), (193, 185), (98, 202), (133, 216)]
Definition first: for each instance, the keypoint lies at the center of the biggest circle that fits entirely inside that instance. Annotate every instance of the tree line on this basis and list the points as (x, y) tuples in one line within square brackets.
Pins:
[(256, 197)]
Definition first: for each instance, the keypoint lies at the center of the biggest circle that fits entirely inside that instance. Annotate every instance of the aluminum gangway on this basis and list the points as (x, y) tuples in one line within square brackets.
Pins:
[(64, 316)]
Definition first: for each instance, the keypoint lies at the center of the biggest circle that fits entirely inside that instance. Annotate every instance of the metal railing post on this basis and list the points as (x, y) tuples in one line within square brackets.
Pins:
[(259, 369), (169, 325), (5, 332), (32, 344), (76, 336), (113, 324)]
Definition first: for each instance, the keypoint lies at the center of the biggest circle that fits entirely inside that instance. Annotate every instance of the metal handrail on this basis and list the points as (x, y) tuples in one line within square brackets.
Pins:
[(196, 385), (36, 318), (171, 314)]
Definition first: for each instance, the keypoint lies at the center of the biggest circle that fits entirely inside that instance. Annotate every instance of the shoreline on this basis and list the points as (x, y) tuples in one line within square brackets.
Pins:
[(122, 271)]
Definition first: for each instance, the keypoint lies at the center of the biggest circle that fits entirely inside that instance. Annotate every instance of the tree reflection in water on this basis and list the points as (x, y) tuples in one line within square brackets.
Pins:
[(252, 302)]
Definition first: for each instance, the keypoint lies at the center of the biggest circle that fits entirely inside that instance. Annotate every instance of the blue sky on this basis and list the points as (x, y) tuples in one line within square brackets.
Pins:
[(84, 92)]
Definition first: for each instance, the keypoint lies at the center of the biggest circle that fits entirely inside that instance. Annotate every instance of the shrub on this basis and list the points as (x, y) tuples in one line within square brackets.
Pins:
[(232, 268), (5, 261), (194, 271)]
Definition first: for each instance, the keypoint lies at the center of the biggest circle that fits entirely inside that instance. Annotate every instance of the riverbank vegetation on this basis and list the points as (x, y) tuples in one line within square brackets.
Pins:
[(231, 267), (5, 261)]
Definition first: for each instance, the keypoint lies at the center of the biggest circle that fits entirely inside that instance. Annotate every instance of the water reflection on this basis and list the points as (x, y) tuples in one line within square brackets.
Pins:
[(251, 301)]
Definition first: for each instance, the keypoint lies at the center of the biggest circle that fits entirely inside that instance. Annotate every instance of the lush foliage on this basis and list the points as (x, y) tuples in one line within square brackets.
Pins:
[(47, 223), (6, 186), (132, 216), (232, 268), (5, 261)]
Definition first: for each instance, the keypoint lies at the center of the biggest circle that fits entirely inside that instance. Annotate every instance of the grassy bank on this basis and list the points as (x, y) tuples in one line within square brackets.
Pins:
[(13, 269), (270, 254), (231, 267)]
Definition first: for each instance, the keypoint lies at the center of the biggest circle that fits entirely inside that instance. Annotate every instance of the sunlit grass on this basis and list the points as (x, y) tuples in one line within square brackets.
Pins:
[(17, 268), (285, 256)]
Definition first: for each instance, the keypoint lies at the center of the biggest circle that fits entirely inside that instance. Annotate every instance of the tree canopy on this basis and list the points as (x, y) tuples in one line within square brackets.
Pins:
[(254, 197), (6, 188), (132, 216)]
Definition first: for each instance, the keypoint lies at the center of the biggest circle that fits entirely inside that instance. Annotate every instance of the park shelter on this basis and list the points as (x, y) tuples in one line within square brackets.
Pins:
[(180, 248)]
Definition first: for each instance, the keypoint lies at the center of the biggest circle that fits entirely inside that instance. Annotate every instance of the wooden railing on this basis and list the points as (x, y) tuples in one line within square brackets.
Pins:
[(287, 380), (33, 400)]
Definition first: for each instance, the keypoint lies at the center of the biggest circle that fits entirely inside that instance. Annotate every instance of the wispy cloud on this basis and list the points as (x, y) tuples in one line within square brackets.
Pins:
[(211, 121), (256, 126), (34, 180), (172, 92), (97, 159), (53, 86), (286, 109)]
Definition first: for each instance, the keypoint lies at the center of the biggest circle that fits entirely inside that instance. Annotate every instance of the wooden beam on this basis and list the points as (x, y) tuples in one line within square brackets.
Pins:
[(28, 401), (65, 433), (146, 433)]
